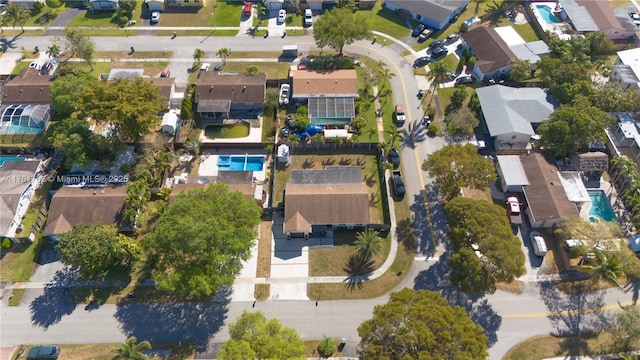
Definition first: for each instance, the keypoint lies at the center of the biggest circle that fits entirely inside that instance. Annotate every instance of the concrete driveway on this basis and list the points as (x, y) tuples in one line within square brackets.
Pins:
[(243, 288), (289, 263)]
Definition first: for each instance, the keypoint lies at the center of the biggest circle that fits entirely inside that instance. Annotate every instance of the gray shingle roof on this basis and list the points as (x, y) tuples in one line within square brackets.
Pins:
[(437, 10), (510, 110)]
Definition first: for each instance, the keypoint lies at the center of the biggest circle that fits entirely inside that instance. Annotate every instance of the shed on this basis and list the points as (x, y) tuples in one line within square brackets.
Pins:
[(335, 133), (283, 155), (170, 123), (470, 24)]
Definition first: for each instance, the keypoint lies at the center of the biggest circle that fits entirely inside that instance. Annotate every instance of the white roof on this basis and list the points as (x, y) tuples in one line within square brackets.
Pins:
[(573, 186), (627, 126), (170, 119), (509, 35), (335, 133), (631, 58), (283, 150), (512, 171)]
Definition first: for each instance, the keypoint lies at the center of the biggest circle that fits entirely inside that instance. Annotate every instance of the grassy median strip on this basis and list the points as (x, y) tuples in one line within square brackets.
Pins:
[(548, 346)]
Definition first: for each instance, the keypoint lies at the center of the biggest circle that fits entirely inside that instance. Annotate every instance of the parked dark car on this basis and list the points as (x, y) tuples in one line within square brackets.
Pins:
[(453, 38), (418, 30), (468, 79), (439, 53), (424, 36), (436, 44), (398, 183), (394, 158), (49, 352), (421, 61)]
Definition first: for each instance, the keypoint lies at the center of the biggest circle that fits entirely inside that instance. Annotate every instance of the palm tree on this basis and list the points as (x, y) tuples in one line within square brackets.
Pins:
[(436, 74), (609, 268), (54, 51), (223, 53), (251, 70), (3, 21), (192, 145), (384, 74), (395, 134), (17, 15), (198, 55), (368, 243), (131, 350)]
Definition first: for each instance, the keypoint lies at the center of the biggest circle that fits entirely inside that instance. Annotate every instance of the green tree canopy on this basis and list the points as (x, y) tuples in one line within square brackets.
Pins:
[(79, 45), (461, 122), (610, 97), (340, 27), (96, 249), (573, 127), (78, 143), (626, 328), (131, 350), (130, 106), (600, 44), (456, 166), (521, 70), (368, 243), (202, 238), (421, 325), (66, 92), (480, 231), (253, 336), (16, 15)]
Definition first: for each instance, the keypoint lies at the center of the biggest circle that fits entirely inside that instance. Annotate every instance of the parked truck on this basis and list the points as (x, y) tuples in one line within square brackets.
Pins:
[(514, 209), (398, 183)]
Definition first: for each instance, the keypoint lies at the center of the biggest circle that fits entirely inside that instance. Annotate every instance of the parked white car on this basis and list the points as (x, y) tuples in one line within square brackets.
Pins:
[(282, 16), (155, 17), (308, 17), (283, 99)]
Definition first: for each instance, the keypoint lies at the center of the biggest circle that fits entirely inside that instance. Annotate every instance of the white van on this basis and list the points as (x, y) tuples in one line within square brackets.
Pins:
[(538, 244), (308, 17)]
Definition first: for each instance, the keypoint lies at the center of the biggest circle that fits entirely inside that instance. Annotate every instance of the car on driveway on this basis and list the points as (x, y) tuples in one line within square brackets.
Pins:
[(418, 30), (424, 35), (284, 94), (308, 17), (439, 53), (35, 65), (467, 79), (421, 61), (394, 158), (155, 17), (453, 38), (436, 44), (282, 16), (246, 9)]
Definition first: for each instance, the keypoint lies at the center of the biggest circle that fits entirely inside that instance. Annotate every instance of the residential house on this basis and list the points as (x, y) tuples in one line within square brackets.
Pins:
[(623, 138), (511, 173), (531, 51), (588, 16), (18, 183), (71, 206), (176, 5), (626, 69), (435, 14), (25, 103), (495, 58), (330, 95), (155, 5), (510, 114), (547, 201), (104, 5), (218, 94), (321, 200)]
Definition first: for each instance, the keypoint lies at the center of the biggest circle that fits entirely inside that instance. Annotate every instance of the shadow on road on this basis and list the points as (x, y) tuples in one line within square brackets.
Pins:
[(56, 301), (570, 307), (194, 322), (430, 228)]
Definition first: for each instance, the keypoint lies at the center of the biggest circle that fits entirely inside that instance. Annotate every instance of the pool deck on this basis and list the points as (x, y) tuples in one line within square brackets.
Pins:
[(557, 28), (623, 216)]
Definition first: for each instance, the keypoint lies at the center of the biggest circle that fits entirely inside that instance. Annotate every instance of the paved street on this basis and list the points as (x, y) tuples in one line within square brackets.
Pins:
[(48, 316)]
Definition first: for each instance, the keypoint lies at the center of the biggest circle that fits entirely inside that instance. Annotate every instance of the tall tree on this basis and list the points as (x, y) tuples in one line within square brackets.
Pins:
[(456, 166), (521, 70), (461, 122), (436, 75), (383, 74), (78, 45), (608, 267), (573, 127), (340, 27), (66, 92), (610, 97), (129, 105), (16, 15), (198, 54), (131, 350), (626, 329), (202, 238), (600, 44), (223, 53), (95, 249), (253, 336), (73, 138), (421, 325), (368, 243), (485, 250)]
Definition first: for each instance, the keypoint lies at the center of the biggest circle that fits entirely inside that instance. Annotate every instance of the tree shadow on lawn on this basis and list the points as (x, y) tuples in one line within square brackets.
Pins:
[(56, 300), (436, 278), (192, 322), (575, 312), (357, 267)]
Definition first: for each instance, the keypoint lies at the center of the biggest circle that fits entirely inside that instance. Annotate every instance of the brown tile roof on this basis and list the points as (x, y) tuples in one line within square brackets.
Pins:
[(238, 88), (602, 14), (325, 204), (71, 206), (164, 85), (308, 83), (546, 197), (28, 87), (492, 52)]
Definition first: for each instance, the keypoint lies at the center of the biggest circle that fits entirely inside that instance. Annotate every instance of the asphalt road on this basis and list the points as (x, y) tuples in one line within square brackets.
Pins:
[(46, 316)]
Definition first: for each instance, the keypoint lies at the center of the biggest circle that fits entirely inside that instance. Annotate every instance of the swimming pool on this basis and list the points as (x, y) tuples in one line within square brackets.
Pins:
[(547, 14), (240, 163), (600, 206), (4, 159)]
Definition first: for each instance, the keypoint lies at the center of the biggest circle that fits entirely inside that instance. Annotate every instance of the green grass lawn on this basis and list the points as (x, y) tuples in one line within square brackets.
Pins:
[(445, 95), (18, 263), (225, 14), (274, 70), (548, 346), (451, 61), (387, 21), (334, 261), (202, 17), (46, 16)]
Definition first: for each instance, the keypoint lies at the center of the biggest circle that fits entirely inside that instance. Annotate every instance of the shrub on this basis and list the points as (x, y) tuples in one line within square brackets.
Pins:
[(37, 8), (5, 243), (326, 347), (434, 130), (54, 4), (185, 111), (125, 168)]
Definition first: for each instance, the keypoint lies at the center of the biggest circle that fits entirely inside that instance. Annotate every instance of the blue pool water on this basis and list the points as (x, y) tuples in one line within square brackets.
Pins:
[(600, 206), (547, 14), (4, 159), (240, 163)]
